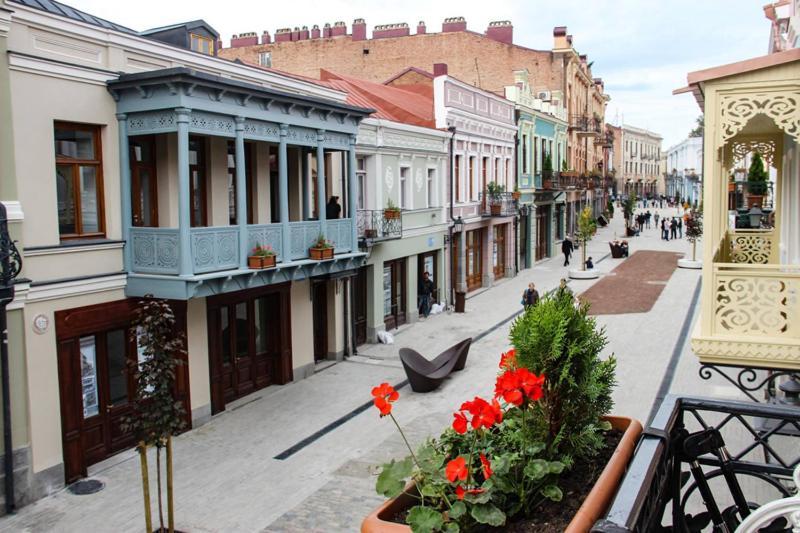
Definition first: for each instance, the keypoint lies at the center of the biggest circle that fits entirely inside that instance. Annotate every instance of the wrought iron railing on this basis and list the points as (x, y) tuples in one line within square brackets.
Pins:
[(660, 492), (739, 193), (498, 204), (375, 225), (585, 124)]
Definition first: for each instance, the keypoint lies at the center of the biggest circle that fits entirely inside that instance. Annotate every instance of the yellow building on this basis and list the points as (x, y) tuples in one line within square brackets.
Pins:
[(750, 309)]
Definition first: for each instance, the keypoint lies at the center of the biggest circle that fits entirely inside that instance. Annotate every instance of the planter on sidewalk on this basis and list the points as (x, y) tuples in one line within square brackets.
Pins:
[(584, 274), (593, 507)]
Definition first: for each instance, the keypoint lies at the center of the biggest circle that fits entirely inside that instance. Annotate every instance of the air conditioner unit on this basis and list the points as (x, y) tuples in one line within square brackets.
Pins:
[(544, 96)]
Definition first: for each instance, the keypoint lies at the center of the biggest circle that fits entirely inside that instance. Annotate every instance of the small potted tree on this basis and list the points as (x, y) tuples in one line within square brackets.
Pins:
[(757, 179), (321, 249), (628, 209), (494, 192), (693, 222), (156, 416), (547, 171), (261, 257), (587, 227), (392, 211)]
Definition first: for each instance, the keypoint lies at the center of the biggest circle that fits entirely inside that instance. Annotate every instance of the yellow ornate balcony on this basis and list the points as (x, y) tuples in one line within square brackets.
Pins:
[(751, 246)]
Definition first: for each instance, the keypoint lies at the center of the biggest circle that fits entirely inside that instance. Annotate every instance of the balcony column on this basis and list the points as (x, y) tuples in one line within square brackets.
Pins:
[(352, 191), (125, 187), (184, 201), (241, 192), (283, 194), (321, 196)]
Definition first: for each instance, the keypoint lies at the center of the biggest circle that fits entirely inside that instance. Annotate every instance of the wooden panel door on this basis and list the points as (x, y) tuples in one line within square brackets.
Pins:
[(499, 251), (542, 230), (360, 306), (144, 186), (474, 259)]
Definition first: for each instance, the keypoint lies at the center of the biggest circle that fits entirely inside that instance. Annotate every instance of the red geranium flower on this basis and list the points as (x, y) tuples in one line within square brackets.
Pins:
[(487, 467), (461, 492), (530, 383), (384, 396), (456, 469), (515, 385), (460, 423), (508, 360)]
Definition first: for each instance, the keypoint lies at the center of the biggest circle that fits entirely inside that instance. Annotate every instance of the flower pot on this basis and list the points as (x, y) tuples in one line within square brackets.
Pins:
[(593, 508), (548, 184), (371, 233), (755, 199), (496, 210), (320, 254), (260, 261), (516, 195), (268, 261), (391, 214), (731, 186)]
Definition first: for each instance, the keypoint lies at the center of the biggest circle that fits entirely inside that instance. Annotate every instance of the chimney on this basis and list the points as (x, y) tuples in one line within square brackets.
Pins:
[(303, 33), (454, 24), (421, 27), (359, 30), (560, 39), (501, 31), (219, 45), (440, 69), (384, 31), (244, 39), (265, 38), (283, 35), (583, 58), (315, 32), (339, 29), (296, 34), (326, 30)]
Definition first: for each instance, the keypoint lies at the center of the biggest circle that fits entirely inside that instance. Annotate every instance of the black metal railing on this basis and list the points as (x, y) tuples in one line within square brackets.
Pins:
[(585, 124), (739, 191), (659, 490), (500, 204), (376, 225)]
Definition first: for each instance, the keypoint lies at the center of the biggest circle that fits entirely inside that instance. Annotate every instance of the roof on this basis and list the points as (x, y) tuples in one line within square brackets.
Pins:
[(698, 77), (57, 8), (389, 103), (279, 72), (406, 70), (188, 25)]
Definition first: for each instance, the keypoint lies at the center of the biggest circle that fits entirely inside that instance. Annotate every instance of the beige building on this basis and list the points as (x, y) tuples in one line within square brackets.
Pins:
[(637, 161), (140, 163)]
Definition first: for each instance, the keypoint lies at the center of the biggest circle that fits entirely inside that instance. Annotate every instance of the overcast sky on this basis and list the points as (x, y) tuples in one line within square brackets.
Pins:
[(641, 48)]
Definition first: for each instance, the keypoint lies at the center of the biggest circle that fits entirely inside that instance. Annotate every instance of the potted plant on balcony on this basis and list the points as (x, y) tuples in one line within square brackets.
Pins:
[(392, 211), (693, 224), (757, 178), (321, 250), (547, 171), (530, 456), (494, 191), (261, 257), (587, 227), (516, 194)]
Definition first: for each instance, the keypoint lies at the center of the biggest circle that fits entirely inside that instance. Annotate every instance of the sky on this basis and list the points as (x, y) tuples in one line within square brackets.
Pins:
[(642, 49)]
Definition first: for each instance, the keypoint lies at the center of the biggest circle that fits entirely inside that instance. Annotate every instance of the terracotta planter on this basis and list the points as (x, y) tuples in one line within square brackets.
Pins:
[(261, 261), (391, 214), (320, 254), (755, 199), (731, 186), (593, 508), (496, 210), (516, 195), (371, 233), (547, 184)]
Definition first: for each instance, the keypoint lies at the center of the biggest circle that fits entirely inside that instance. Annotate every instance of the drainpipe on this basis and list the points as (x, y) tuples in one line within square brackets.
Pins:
[(516, 186), (452, 130)]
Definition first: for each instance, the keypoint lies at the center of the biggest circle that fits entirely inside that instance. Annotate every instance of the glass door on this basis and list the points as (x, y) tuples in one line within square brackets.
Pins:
[(144, 191)]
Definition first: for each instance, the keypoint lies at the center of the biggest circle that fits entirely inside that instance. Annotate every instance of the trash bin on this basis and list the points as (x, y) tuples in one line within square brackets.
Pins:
[(461, 301)]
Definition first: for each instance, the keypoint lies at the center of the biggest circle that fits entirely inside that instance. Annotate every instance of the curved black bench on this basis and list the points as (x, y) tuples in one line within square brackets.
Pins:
[(424, 375)]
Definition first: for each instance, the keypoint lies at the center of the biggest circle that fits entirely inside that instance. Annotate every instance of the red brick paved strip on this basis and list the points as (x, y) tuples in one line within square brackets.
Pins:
[(634, 286)]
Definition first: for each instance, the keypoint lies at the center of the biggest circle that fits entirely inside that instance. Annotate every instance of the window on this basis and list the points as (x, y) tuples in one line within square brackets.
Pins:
[(197, 181), (431, 184), (457, 178), (202, 44), (404, 196), (525, 163), (499, 178), (361, 179), (536, 155), (471, 178), (79, 180), (265, 59)]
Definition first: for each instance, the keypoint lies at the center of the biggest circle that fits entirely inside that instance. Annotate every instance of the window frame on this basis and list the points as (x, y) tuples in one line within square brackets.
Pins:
[(406, 194), (201, 38), (430, 186), (75, 163)]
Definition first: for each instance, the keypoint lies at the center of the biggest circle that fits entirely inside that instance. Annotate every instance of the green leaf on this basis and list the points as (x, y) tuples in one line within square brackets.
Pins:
[(535, 449), (424, 519), (486, 513), (481, 497), (429, 490), (552, 492), (555, 467), (536, 469), (605, 425), (458, 509), (451, 527), (392, 479)]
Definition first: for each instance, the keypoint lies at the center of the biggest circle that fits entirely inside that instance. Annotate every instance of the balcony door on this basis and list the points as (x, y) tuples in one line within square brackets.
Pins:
[(542, 231), (144, 186), (198, 181), (360, 306), (474, 259)]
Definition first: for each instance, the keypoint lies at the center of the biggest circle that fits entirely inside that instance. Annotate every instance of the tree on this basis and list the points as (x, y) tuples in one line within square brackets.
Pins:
[(699, 130), (547, 165), (694, 228), (156, 415), (628, 208), (757, 176), (587, 227), (610, 208)]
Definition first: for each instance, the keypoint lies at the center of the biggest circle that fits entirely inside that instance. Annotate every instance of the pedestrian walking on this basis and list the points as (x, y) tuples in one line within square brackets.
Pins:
[(664, 230), (656, 217), (673, 229), (566, 248), (530, 296), (647, 216), (425, 293), (680, 228), (562, 288)]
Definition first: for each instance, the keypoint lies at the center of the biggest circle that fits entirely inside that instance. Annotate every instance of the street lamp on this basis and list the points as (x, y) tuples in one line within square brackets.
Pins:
[(755, 214), (10, 266), (458, 225)]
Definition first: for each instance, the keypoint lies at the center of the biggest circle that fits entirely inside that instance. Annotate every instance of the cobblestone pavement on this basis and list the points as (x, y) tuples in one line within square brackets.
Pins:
[(227, 477)]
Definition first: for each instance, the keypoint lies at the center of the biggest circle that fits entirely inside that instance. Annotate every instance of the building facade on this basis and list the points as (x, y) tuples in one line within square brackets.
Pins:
[(684, 170), (637, 159), (158, 167)]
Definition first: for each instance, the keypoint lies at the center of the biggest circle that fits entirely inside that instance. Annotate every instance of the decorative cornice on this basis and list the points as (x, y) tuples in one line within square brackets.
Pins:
[(745, 353)]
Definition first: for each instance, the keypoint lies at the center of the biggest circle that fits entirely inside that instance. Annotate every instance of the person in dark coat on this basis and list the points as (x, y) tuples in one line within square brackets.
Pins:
[(566, 248), (589, 264), (425, 293), (333, 209), (673, 229), (680, 228), (530, 297)]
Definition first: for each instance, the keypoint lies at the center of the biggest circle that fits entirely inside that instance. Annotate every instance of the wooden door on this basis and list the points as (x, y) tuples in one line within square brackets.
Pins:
[(474, 259), (144, 186), (394, 293), (542, 231), (320, 316), (524, 236), (197, 181), (499, 251), (360, 306)]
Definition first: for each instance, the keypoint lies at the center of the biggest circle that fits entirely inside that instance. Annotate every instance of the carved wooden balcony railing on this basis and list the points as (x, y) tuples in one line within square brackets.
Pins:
[(751, 246)]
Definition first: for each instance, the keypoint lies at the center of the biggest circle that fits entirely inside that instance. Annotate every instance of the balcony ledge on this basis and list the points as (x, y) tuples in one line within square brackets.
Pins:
[(202, 285), (762, 352)]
